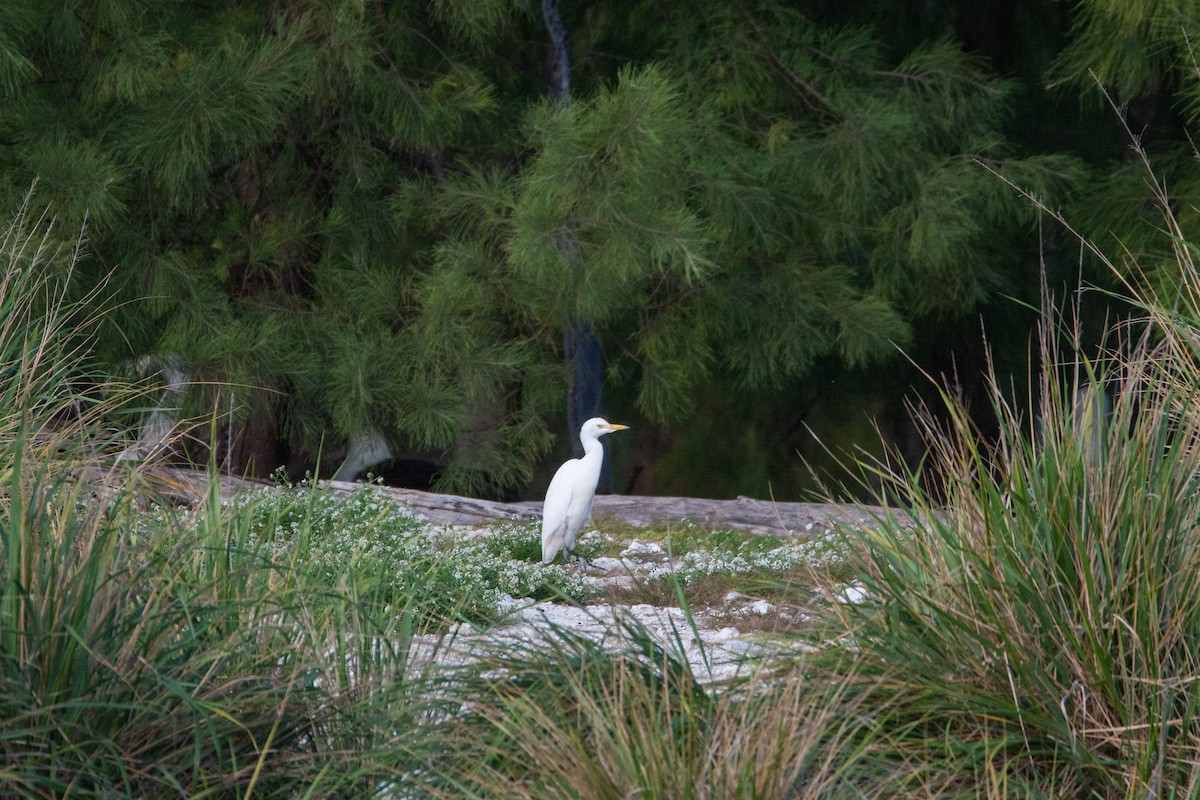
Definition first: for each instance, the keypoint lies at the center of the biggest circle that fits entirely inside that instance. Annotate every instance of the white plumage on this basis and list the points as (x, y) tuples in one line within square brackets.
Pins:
[(569, 499)]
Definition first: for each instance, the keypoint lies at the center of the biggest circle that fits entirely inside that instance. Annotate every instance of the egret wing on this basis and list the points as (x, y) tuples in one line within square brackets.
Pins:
[(556, 511)]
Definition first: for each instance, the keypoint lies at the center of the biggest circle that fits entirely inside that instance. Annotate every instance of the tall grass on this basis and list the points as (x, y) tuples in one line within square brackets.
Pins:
[(198, 662), (567, 716), (1046, 620), (1037, 609)]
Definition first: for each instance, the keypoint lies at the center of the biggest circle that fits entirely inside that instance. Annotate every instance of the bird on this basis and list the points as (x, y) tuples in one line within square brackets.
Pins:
[(572, 489)]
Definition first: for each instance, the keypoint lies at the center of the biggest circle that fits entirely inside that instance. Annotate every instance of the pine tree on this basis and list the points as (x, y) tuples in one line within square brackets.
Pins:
[(1135, 62), (347, 218), (258, 177)]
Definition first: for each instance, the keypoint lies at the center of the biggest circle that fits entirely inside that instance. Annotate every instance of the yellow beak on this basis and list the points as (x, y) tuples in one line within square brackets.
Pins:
[(612, 426)]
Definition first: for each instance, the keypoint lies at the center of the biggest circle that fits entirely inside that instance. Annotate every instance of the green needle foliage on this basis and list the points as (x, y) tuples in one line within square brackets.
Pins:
[(1133, 48), (341, 217)]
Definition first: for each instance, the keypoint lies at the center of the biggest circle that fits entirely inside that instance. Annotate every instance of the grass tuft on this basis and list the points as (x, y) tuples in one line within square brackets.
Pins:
[(1042, 614), (170, 660)]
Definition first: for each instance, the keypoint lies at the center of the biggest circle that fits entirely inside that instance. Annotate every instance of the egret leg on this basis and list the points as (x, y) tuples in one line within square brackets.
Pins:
[(581, 559)]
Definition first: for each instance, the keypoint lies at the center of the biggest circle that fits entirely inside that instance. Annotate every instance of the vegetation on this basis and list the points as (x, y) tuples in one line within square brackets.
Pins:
[(348, 221), (138, 664), (1027, 626)]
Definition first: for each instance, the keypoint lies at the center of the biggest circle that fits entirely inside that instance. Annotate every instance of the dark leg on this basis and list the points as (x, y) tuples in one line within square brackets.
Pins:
[(581, 559)]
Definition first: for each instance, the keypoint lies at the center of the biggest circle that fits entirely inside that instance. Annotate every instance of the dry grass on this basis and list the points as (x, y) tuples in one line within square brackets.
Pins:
[(589, 723)]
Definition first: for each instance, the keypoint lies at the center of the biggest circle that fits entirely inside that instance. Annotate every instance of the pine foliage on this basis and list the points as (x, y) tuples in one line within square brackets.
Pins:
[(1130, 47), (346, 217), (1138, 62)]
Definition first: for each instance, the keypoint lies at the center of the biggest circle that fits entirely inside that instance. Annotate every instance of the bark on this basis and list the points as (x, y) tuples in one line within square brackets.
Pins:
[(581, 349), (188, 487)]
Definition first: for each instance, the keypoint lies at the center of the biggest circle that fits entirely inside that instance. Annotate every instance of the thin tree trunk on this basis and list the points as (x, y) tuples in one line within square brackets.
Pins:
[(581, 349), (558, 81)]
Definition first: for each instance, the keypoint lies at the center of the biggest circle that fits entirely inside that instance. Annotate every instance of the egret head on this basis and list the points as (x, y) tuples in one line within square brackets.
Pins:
[(598, 426)]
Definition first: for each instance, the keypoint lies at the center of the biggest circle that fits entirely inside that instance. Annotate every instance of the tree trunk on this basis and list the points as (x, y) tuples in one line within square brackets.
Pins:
[(581, 349)]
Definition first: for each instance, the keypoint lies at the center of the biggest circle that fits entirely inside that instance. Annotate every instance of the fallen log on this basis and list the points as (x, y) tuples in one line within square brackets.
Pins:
[(743, 514), (188, 487)]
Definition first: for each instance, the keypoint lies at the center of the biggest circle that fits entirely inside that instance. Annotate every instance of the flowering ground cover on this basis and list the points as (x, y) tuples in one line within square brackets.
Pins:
[(480, 575), (722, 591)]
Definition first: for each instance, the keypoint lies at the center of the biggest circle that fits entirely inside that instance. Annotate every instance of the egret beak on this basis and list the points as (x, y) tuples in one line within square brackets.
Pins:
[(612, 426)]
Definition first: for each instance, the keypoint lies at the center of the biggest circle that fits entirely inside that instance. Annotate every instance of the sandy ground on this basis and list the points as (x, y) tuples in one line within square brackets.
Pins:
[(716, 649)]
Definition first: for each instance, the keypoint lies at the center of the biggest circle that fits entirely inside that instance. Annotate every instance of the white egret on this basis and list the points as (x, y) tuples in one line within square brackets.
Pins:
[(569, 499)]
